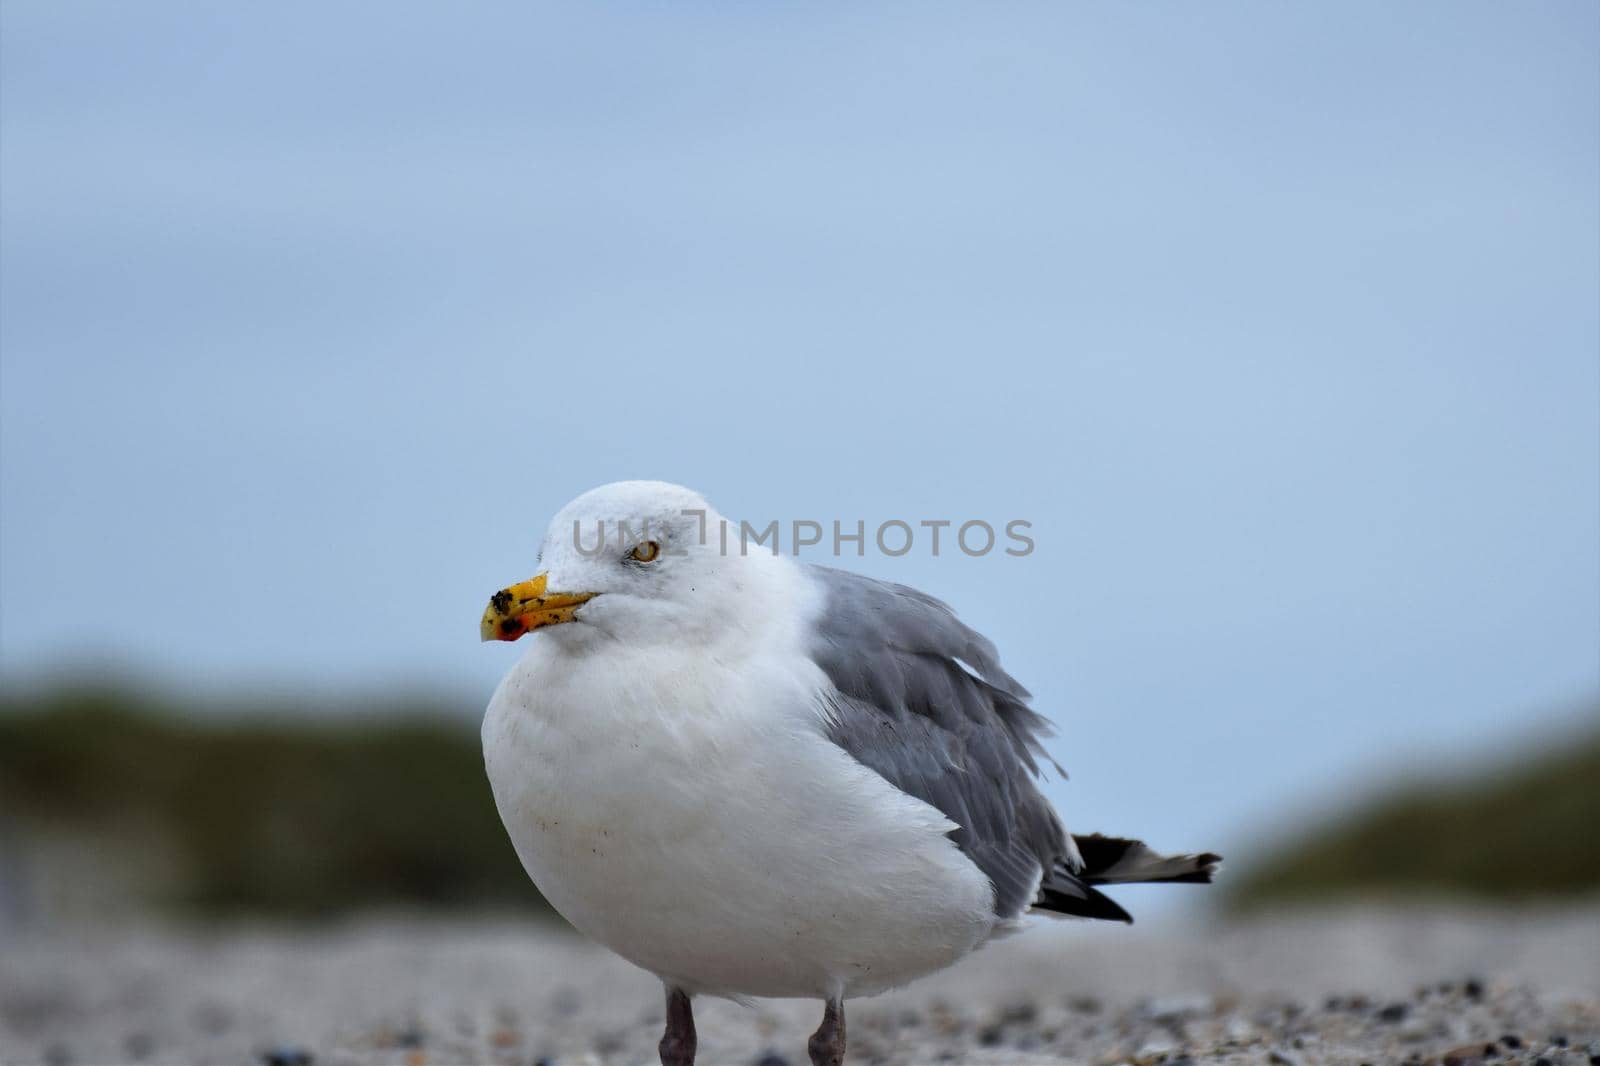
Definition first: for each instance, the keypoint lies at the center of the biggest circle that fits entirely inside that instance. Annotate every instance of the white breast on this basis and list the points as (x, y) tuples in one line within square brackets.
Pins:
[(689, 814)]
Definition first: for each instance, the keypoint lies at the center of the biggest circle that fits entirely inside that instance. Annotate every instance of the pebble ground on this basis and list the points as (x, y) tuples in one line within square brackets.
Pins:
[(1398, 985)]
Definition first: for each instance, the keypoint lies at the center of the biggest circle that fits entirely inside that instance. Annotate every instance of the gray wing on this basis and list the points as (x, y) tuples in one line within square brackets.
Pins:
[(922, 699)]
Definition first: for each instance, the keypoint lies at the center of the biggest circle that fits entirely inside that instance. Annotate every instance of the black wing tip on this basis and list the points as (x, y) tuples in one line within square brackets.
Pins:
[(1205, 869), (1092, 904), (1121, 860)]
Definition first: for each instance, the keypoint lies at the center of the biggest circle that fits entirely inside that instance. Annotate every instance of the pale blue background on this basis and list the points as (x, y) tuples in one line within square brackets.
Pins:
[(1278, 322)]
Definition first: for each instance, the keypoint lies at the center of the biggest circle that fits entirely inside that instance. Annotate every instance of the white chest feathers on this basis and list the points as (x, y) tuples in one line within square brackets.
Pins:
[(692, 816)]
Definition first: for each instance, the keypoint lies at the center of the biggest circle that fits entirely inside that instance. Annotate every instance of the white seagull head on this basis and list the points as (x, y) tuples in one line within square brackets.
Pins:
[(636, 561)]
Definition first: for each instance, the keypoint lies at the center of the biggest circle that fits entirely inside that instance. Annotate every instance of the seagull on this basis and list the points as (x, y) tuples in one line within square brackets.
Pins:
[(757, 777)]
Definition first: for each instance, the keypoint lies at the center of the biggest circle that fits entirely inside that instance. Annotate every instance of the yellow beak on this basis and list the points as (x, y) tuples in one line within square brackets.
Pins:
[(527, 606)]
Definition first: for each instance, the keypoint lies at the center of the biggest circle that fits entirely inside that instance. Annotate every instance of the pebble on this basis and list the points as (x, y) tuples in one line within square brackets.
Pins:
[(1485, 1021), (1024, 1013), (1394, 1012)]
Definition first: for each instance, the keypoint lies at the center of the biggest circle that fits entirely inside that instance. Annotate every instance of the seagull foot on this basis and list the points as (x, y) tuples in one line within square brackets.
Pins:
[(677, 1043), (827, 1043)]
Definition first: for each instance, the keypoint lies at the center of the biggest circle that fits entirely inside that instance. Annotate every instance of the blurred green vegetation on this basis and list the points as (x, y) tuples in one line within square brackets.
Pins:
[(306, 810), (1524, 830), (263, 808)]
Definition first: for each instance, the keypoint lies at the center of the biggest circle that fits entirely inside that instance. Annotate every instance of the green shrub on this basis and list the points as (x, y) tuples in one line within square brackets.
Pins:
[(268, 810)]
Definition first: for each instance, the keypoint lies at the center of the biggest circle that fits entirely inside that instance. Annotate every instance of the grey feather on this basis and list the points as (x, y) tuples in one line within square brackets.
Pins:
[(960, 738)]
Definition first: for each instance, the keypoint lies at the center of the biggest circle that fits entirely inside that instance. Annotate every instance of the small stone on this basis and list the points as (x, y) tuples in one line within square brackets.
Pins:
[(991, 1036), (1024, 1013), (1084, 1004), (1283, 1058), (1542, 1061), (1511, 1040), (1394, 1012), (1473, 988), (286, 1055), (772, 1058), (1470, 1055)]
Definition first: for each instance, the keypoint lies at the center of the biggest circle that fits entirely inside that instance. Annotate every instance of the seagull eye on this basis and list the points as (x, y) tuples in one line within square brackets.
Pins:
[(646, 552)]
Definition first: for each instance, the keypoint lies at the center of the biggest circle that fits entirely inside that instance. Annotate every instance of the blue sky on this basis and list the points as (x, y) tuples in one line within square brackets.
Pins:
[(1279, 323)]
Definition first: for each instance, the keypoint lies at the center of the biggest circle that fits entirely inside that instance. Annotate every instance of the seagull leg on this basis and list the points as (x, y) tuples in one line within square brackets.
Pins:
[(677, 1043), (827, 1043)]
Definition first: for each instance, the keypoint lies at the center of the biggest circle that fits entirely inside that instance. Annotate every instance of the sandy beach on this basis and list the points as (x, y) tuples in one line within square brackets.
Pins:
[(1346, 986)]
